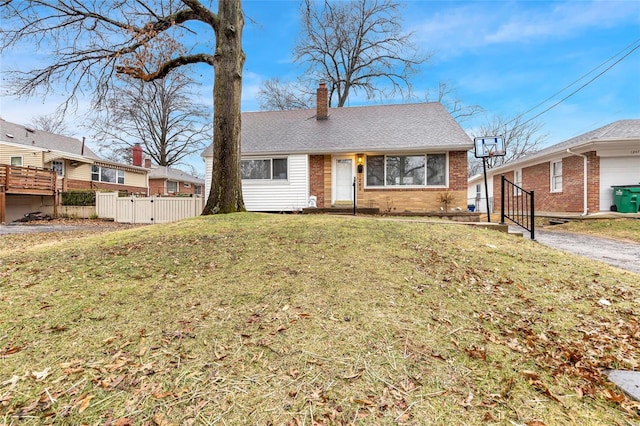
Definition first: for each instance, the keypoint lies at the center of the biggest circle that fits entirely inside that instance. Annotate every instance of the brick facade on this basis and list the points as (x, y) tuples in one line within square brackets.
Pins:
[(393, 199), (157, 187), (316, 179), (571, 198)]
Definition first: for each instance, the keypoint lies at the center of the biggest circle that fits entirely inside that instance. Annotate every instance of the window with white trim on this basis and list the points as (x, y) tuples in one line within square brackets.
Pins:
[(517, 181), (406, 170), (556, 176), (106, 174), (58, 167), (172, 186), (16, 161), (264, 169)]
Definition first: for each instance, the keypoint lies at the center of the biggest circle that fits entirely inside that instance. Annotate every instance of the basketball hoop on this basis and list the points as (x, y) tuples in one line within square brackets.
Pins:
[(489, 146)]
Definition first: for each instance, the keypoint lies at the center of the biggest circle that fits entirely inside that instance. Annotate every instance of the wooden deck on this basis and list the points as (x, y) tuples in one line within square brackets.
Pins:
[(25, 181)]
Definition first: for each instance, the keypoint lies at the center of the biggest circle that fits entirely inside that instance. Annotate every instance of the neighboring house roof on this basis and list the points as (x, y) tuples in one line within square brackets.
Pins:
[(21, 135), (56, 147), (381, 128), (618, 131), (162, 172)]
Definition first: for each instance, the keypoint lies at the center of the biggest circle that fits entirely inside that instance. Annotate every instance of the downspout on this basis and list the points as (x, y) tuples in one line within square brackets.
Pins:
[(584, 173)]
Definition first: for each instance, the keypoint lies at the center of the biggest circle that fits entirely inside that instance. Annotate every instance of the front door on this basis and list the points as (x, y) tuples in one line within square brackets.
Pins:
[(344, 181)]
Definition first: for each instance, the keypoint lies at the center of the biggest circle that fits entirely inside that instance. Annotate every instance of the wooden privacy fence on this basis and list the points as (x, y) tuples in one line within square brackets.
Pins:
[(146, 209)]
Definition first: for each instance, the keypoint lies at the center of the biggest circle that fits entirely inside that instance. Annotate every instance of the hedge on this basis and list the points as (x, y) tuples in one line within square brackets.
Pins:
[(78, 198)]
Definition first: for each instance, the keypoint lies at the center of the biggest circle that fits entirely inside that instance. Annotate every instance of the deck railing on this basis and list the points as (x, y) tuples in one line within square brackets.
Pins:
[(27, 180)]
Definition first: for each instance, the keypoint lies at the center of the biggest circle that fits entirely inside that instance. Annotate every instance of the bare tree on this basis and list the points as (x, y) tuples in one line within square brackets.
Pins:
[(520, 138), (275, 95), (159, 115), (446, 95), (356, 45), (52, 123), (91, 42)]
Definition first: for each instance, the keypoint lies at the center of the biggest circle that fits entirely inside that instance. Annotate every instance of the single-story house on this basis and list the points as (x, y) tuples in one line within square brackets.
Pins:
[(400, 157), (169, 181), (36, 165), (575, 176)]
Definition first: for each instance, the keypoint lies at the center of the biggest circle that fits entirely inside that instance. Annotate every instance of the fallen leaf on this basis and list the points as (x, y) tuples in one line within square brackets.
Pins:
[(352, 375), (403, 417), (613, 396), (162, 395), (535, 423), (363, 401), (84, 403), (12, 381), (123, 422), (531, 375), (10, 351), (41, 375)]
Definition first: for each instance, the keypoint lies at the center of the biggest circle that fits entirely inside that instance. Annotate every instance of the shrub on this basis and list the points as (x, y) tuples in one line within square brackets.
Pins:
[(79, 198)]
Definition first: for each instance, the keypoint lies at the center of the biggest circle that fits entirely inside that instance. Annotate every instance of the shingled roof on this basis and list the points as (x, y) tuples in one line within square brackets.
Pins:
[(161, 172), (381, 128), (22, 135), (622, 130)]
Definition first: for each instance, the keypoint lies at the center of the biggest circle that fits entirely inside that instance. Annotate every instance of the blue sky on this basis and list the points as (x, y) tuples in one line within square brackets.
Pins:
[(506, 57)]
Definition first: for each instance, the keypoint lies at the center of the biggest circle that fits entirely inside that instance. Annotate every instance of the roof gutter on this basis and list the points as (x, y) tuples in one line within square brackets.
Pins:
[(585, 189)]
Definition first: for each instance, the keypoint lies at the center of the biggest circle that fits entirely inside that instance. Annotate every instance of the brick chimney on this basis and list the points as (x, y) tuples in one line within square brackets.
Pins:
[(137, 155), (147, 163), (322, 106)]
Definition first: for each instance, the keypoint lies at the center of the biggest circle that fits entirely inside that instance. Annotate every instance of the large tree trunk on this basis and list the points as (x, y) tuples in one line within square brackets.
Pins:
[(226, 186)]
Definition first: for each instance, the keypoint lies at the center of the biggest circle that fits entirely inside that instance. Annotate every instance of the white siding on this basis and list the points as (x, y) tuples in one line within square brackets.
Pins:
[(616, 171), (208, 165), (273, 195), (481, 205), (277, 196)]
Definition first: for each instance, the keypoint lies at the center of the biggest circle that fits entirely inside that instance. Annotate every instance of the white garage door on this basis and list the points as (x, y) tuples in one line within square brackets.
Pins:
[(616, 171)]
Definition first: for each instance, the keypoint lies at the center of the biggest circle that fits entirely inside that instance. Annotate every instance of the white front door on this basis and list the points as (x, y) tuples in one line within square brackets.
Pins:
[(343, 181)]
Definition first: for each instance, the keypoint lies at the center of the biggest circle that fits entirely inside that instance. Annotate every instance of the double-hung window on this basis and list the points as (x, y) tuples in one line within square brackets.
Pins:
[(556, 176), (264, 169), (406, 170), (172, 186), (106, 174)]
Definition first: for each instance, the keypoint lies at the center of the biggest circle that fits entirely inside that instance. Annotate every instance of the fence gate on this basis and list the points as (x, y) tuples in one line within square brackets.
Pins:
[(517, 205), (147, 209)]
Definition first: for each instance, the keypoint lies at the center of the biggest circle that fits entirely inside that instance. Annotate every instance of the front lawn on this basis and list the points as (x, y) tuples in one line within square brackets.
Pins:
[(312, 320)]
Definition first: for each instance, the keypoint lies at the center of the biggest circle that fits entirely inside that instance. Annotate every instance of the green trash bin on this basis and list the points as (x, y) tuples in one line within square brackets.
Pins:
[(627, 198)]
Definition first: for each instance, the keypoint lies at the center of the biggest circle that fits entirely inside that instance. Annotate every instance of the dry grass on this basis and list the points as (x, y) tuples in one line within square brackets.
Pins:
[(265, 319)]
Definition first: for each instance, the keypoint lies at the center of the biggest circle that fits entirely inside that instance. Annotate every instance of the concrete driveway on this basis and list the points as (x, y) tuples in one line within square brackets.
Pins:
[(22, 229), (622, 254)]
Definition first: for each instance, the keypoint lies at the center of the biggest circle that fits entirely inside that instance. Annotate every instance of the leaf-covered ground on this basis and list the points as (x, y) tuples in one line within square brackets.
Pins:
[(312, 320)]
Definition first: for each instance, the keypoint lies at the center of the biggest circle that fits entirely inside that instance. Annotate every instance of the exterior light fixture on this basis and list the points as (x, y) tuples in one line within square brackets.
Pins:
[(360, 160)]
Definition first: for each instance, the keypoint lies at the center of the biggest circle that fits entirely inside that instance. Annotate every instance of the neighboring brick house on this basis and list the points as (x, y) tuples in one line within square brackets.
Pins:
[(170, 181), (574, 176), (402, 157), (30, 153)]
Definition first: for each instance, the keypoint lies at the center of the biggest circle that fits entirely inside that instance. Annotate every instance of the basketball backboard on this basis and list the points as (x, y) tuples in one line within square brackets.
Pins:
[(489, 146)]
